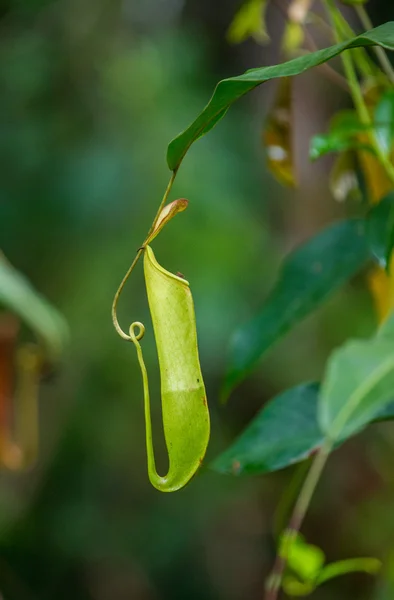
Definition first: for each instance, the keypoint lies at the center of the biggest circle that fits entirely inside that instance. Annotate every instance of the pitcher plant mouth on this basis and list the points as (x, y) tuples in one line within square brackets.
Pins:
[(158, 266)]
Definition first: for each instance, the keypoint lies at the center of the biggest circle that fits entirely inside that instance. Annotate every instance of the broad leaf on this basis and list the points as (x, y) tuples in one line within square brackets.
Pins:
[(308, 276), (18, 296), (284, 432), (359, 382), (229, 90), (380, 230)]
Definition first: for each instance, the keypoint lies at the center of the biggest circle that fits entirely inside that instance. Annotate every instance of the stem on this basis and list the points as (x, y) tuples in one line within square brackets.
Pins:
[(296, 520), (342, 29), (115, 320), (380, 52), (356, 93), (289, 497), (162, 203)]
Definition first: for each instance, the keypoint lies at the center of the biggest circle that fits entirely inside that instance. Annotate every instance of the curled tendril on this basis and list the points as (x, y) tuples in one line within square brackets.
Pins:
[(136, 337), (115, 321)]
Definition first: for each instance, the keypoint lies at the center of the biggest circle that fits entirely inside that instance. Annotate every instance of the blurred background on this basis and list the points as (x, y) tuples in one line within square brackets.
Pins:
[(92, 91)]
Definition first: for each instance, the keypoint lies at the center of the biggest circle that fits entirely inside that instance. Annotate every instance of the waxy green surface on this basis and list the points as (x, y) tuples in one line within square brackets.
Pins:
[(184, 403)]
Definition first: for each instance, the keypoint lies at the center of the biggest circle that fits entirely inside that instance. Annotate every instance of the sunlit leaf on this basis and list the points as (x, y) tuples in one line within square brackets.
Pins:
[(249, 21), (308, 276), (184, 402), (18, 296), (229, 90), (278, 136), (380, 230), (359, 381)]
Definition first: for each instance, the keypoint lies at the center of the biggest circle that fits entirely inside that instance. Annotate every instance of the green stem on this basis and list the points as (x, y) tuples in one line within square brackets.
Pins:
[(289, 497), (274, 581), (363, 63), (356, 93), (379, 51), (115, 320)]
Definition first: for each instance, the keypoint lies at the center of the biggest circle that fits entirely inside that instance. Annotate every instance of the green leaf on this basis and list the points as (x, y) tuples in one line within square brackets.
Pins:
[(359, 382), (345, 129), (18, 296), (303, 586), (343, 135), (249, 21), (308, 276), (284, 432), (184, 403), (371, 566), (229, 90), (380, 230), (384, 122)]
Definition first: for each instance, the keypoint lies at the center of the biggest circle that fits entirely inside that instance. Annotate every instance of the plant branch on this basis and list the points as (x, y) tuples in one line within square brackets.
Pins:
[(274, 582)]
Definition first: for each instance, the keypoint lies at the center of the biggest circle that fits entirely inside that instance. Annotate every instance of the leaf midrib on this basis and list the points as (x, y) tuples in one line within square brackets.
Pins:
[(356, 397)]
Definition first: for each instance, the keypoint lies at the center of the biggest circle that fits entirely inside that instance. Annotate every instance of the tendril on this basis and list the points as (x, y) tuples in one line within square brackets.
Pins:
[(136, 337), (115, 321)]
